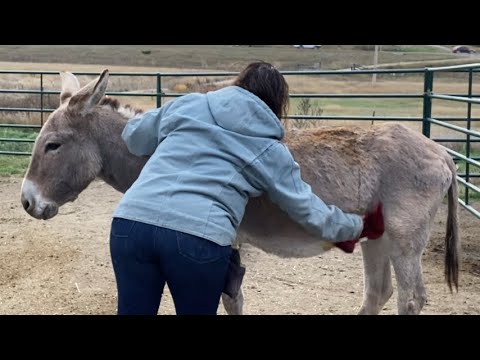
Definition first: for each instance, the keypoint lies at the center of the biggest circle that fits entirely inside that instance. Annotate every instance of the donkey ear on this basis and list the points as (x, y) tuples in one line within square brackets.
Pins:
[(90, 95), (70, 86)]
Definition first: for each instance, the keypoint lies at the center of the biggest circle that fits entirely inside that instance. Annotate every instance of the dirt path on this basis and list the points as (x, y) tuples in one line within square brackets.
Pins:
[(62, 266)]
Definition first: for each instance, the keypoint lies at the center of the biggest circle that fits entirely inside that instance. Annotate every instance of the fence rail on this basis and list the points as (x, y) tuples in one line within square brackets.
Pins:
[(469, 99), (426, 97)]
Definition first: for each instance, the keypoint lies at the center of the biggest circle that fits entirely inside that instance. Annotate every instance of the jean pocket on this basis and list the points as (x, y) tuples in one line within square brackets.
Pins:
[(201, 251), (121, 228)]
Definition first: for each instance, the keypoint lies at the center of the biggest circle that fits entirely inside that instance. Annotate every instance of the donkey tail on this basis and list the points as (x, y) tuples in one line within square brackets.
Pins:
[(452, 241)]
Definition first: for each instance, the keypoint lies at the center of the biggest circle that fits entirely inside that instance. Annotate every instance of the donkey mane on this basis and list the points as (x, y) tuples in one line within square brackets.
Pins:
[(129, 111), (126, 111)]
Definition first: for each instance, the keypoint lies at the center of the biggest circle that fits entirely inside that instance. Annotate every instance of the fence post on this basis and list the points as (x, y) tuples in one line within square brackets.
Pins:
[(41, 99), (427, 102), (159, 90), (469, 126)]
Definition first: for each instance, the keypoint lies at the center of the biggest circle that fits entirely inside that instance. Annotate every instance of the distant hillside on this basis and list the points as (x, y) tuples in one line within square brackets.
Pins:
[(224, 57)]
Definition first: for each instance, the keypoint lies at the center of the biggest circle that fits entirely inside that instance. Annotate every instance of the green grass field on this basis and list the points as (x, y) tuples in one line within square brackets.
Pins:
[(473, 169), (15, 164)]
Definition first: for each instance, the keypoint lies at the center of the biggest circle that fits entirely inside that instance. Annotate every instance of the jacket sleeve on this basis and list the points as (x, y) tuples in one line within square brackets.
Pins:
[(141, 134), (276, 172)]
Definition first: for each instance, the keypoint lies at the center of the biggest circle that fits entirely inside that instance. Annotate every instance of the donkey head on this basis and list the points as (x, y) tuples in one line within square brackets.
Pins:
[(65, 158)]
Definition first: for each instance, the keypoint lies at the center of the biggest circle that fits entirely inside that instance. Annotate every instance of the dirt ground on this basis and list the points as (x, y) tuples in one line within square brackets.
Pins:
[(62, 266)]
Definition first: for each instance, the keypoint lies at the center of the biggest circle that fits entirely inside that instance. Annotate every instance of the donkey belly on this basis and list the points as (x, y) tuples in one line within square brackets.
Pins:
[(292, 245), (267, 227)]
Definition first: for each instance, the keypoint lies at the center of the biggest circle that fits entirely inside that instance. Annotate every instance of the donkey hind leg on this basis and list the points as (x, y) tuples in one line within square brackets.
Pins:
[(233, 305), (232, 296), (406, 258), (377, 275)]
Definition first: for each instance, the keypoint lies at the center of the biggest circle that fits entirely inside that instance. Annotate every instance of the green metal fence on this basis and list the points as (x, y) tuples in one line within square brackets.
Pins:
[(469, 99), (426, 95)]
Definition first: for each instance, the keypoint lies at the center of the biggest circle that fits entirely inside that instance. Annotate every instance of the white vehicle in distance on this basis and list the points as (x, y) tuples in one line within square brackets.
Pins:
[(308, 46)]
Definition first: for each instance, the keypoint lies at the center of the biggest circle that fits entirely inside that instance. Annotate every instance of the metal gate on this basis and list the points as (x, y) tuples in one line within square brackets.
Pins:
[(9, 145)]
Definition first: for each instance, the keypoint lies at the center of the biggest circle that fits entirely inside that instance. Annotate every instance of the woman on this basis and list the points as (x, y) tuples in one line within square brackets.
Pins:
[(209, 154)]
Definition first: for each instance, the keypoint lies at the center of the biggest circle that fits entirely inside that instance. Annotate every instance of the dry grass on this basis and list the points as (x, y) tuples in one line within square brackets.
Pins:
[(116, 84), (298, 84), (381, 107), (224, 57), (183, 58)]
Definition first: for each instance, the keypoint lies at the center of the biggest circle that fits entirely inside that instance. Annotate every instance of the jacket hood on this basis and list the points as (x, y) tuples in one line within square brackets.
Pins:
[(238, 110)]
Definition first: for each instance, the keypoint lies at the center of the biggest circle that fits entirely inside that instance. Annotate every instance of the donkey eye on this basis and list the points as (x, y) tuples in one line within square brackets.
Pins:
[(52, 146)]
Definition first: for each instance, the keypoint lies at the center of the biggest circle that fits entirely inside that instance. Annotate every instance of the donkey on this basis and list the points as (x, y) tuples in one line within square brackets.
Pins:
[(353, 168)]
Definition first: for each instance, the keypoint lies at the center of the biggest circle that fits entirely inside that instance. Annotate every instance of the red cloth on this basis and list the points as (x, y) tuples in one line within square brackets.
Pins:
[(373, 228), (347, 246)]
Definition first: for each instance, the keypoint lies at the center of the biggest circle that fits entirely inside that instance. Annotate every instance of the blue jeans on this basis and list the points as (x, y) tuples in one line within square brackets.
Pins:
[(145, 257)]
